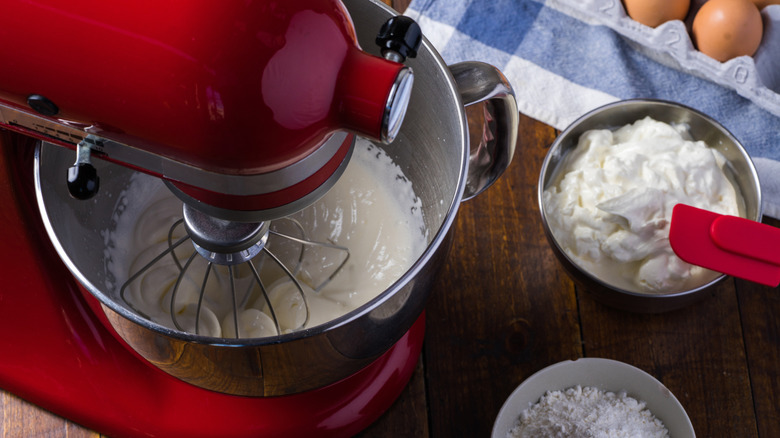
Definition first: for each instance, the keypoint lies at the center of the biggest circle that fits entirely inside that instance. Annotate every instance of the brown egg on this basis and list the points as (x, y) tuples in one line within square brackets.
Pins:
[(655, 12), (725, 29)]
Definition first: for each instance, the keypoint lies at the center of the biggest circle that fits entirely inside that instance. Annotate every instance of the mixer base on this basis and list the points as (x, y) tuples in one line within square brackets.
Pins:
[(74, 369), (57, 355)]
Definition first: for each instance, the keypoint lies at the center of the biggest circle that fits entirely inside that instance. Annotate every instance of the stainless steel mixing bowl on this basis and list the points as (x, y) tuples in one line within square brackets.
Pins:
[(433, 151), (612, 116)]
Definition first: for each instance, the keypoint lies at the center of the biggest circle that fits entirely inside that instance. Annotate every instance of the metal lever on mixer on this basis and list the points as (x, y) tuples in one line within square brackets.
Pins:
[(83, 180)]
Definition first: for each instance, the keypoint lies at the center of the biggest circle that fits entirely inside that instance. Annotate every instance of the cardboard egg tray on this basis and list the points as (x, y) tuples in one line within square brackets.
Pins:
[(756, 78)]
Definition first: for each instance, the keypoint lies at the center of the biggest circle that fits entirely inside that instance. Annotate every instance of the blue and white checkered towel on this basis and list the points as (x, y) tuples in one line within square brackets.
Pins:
[(562, 65)]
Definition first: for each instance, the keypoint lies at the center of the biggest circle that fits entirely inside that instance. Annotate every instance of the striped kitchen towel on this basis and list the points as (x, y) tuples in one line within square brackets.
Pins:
[(562, 64)]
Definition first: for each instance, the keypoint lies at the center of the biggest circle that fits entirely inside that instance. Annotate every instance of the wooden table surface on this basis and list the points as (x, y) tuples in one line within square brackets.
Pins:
[(504, 309)]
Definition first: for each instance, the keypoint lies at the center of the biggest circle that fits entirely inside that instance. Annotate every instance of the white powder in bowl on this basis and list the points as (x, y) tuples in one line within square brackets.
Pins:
[(587, 412)]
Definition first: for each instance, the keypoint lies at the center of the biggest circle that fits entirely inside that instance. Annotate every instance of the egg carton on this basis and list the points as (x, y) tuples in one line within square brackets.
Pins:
[(756, 78)]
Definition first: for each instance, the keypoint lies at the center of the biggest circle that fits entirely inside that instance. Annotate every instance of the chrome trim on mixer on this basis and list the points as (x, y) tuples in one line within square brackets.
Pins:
[(240, 185), (224, 242), (397, 104), (16, 118), (270, 213)]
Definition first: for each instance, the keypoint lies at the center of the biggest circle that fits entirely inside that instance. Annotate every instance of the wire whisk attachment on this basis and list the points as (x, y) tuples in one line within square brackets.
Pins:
[(233, 278)]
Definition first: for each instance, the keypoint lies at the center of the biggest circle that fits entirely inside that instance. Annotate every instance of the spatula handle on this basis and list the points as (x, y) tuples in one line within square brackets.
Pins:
[(746, 237), (745, 248)]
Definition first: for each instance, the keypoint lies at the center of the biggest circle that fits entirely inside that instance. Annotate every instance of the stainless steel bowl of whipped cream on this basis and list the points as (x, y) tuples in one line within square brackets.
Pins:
[(433, 154), (606, 192)]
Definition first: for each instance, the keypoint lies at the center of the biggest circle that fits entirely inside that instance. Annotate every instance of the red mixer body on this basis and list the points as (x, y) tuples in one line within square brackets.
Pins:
[(244, 88), (224, 88)]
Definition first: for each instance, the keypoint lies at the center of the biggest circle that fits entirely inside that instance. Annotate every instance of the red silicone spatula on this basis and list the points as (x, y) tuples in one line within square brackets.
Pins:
[(732, 245)]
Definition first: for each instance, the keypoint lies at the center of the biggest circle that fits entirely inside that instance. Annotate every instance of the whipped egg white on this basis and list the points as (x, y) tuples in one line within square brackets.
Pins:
[(372, 210), (610, 207)]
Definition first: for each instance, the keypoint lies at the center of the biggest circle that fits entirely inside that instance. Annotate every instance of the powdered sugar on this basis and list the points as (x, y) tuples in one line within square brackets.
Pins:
[(587, 412)]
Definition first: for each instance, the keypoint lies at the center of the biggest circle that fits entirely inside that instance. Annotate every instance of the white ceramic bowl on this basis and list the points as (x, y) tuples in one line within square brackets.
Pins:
[(604, 374)]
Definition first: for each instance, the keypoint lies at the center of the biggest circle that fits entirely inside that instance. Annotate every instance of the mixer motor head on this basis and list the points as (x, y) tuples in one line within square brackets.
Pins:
[(248, 111)]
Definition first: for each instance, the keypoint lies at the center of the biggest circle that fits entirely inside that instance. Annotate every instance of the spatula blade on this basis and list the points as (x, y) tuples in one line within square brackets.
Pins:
[(690, 238)]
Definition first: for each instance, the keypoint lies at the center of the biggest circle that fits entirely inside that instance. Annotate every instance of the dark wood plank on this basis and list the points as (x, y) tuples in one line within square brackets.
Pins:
[(697, 352), (408, 416), (500, 311), (760, 310), (20, 419)]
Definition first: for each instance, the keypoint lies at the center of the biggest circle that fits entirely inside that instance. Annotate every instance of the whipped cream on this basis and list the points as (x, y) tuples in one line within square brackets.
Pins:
[(372, 210), (610, 207)]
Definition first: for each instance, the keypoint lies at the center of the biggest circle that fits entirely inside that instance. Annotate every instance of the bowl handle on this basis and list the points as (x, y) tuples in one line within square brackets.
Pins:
[(480, 82)]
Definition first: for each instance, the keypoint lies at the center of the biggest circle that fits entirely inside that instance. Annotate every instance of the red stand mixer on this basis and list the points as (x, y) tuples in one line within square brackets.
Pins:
[(248, 112)]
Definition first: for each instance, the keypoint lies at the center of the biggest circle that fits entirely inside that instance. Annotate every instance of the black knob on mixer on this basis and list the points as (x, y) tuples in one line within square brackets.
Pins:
[(42, 105), (399, 38), (83, 181)]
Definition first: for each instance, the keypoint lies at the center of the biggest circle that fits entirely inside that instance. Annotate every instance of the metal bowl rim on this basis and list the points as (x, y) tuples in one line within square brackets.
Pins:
[(545, 169)]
